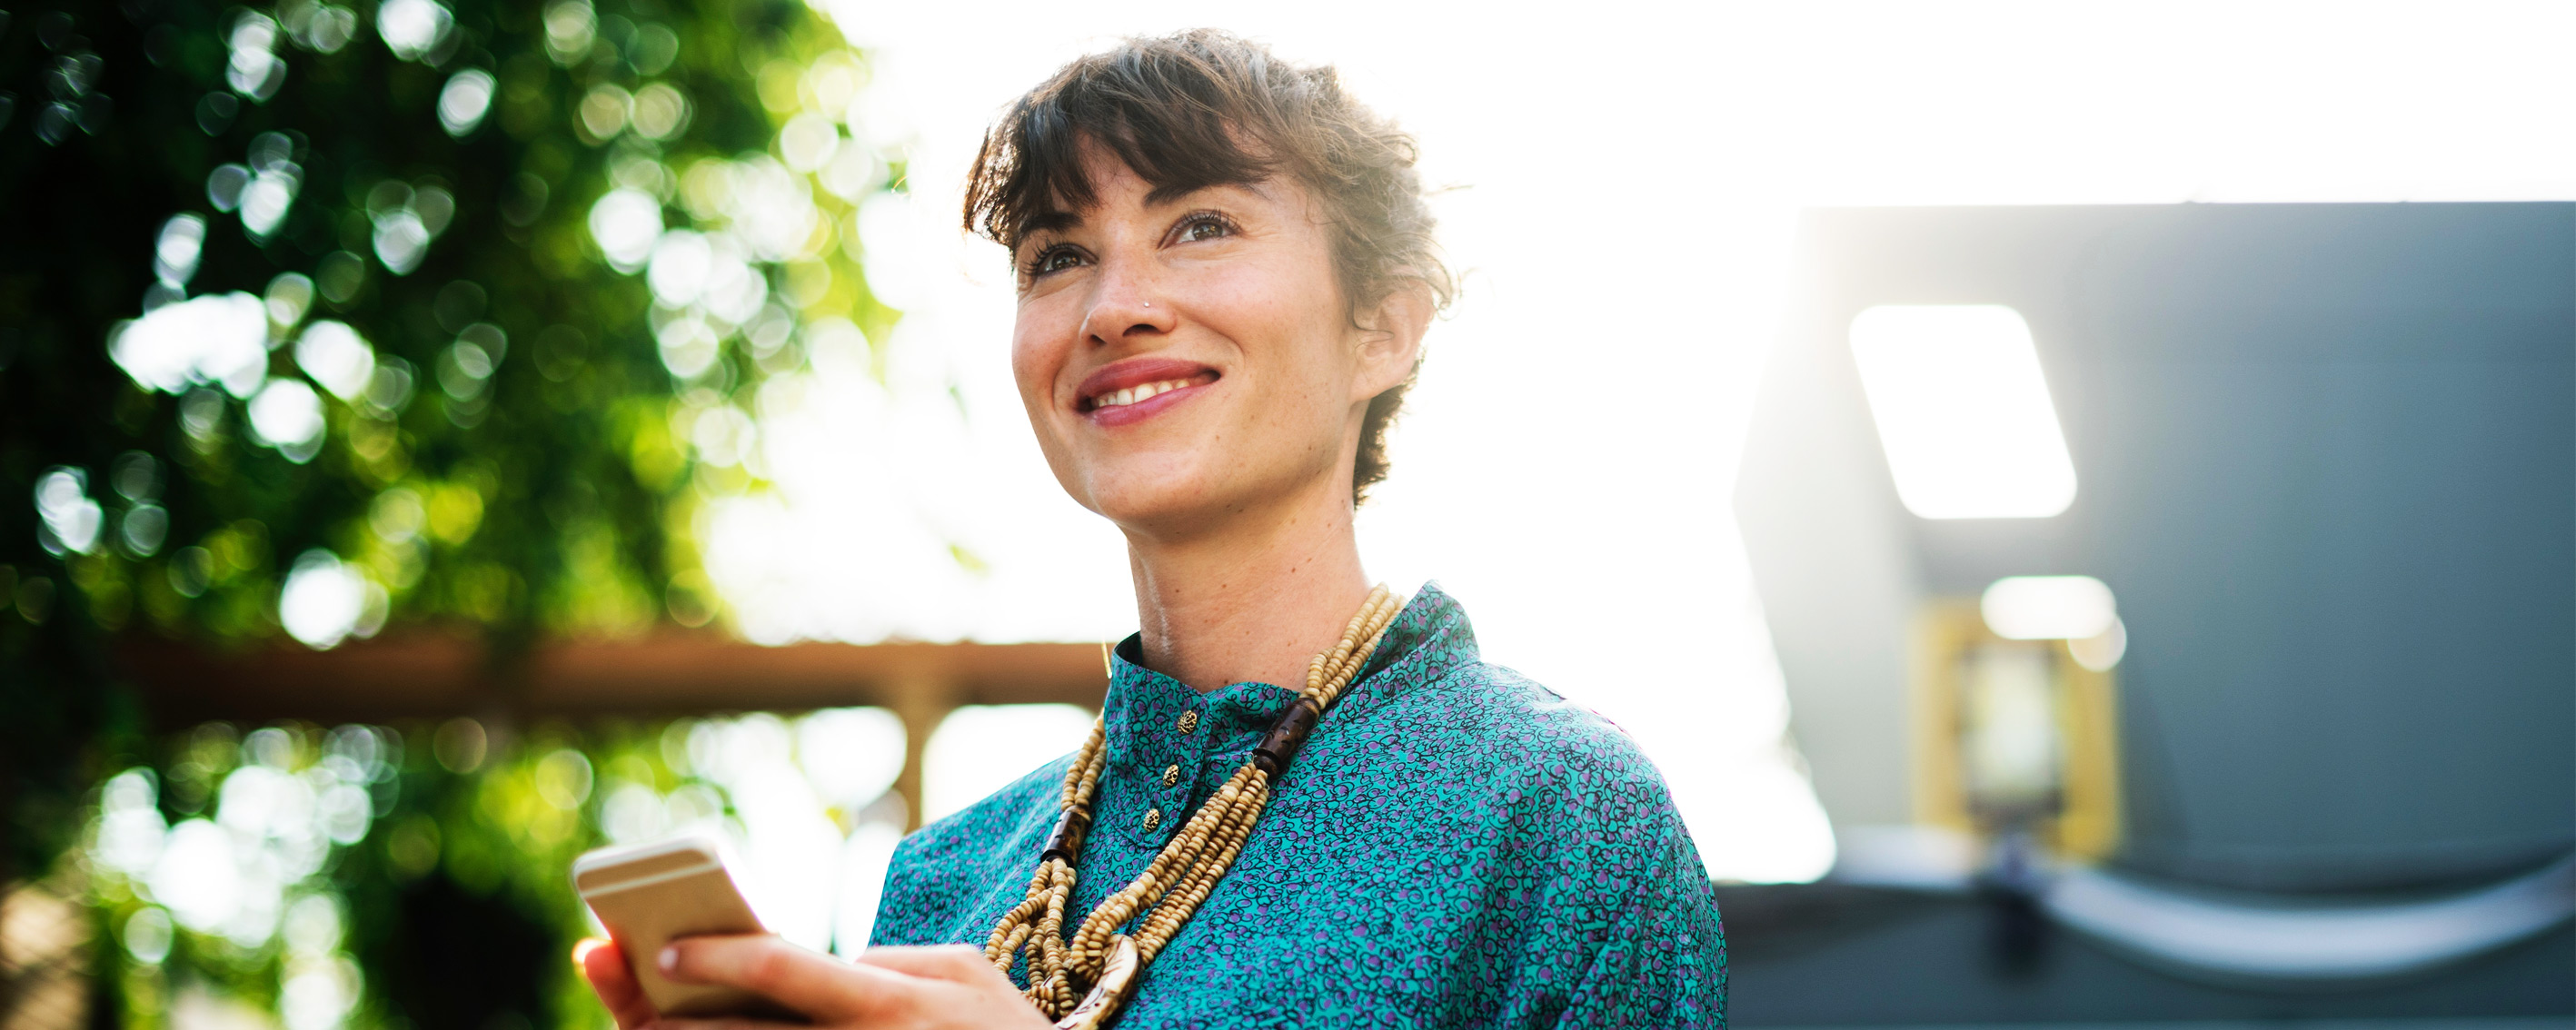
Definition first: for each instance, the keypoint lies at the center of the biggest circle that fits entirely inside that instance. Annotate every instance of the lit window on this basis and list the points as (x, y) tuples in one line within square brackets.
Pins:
[(2049, 608), (1963, 411)]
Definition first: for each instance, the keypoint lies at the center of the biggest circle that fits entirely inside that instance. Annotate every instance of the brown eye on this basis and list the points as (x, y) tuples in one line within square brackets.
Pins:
[(1205, 227), (1054, 259)]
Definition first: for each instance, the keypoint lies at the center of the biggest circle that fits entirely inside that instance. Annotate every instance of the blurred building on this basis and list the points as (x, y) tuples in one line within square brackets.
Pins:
[(2176, 606)]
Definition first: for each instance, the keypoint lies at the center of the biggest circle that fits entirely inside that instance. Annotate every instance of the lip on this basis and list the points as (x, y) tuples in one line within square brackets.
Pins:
[(1138, 372)]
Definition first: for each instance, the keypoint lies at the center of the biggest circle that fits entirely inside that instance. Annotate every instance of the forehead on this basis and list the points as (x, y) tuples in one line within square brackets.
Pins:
[(1109, 178), (1101, 185)]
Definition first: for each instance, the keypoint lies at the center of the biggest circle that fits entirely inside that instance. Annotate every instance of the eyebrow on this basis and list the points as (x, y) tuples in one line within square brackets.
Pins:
[(1052, 220), (1060, 220)]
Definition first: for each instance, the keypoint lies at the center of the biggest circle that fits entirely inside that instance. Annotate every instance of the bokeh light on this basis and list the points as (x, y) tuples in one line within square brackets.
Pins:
[(465, 99), (413, 29), (325, 601), (68, 519), (287, 415), (336, 357), (251, 874), (220, 339)]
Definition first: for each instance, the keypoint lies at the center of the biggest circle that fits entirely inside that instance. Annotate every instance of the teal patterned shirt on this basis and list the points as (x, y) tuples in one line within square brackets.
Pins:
[(1456, 846)]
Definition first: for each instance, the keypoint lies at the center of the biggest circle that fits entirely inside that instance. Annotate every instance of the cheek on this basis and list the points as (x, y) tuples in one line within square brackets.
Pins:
[(1288, 319), (1039, 349), (1029, 367)]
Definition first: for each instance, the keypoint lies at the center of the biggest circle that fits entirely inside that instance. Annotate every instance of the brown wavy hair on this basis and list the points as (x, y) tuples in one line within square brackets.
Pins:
[(1208, 108)]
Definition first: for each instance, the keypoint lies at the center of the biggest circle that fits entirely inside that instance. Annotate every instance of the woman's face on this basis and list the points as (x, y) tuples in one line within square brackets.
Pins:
[(1188, 359)]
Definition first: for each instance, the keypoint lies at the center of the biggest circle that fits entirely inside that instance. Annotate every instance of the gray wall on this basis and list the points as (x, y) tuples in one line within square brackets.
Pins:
[(2327, 461)]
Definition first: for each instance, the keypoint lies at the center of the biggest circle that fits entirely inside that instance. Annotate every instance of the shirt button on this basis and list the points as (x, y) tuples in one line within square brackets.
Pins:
[(1189, 721), (1153, 818), (1171, 775)]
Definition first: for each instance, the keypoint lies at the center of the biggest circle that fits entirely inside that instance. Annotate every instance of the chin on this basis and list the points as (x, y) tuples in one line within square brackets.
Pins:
[(1152, 499)]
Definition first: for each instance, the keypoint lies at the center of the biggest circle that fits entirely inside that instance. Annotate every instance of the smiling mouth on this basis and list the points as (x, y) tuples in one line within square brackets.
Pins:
[(1142, 392)]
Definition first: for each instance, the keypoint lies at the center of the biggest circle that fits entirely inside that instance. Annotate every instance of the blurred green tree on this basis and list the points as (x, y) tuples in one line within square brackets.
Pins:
[(318, 318)]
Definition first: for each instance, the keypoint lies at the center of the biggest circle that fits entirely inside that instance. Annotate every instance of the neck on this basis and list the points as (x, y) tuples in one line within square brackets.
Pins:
[(1256, 601)]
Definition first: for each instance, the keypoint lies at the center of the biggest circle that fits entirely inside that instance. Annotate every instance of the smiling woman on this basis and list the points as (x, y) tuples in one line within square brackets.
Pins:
[(1252, 342), (1287, 812), (1180, 123)]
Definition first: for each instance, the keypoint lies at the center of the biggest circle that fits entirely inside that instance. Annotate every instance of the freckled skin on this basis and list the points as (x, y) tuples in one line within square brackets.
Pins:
[(1260, 305), (1235, 495)]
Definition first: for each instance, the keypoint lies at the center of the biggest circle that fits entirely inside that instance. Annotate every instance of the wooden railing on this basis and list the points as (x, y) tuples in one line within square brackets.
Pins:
[(430, 676)]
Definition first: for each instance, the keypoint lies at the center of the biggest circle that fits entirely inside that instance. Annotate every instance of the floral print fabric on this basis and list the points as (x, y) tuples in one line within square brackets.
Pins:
[(1456, 846)]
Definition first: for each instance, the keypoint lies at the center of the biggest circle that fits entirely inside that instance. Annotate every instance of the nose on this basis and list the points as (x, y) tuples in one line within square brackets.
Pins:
[(1126, 306)]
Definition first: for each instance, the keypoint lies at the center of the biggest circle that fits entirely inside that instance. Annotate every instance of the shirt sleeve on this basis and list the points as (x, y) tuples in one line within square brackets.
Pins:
[(1664, 961)]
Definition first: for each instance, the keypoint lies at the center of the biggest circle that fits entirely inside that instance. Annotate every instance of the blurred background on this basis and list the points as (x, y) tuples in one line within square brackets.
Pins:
[(2080, 501)]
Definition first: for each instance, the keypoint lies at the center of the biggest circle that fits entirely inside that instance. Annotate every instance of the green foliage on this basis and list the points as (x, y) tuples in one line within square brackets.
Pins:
[(508, 439), (418, 876), (362, 876), (524, 435)]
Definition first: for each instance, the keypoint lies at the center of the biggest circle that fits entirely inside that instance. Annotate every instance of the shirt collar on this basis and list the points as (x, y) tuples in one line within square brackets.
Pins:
[(1427, 637)]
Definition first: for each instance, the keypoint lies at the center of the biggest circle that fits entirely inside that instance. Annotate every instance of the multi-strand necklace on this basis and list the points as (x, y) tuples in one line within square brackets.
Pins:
[(1081, 980)]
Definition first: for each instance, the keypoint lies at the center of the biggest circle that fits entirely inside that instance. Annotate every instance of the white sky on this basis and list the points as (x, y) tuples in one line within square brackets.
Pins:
[(1630, 177)]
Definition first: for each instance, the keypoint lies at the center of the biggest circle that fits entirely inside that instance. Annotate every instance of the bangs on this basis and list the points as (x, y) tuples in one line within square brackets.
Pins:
[(1177, 117), (1204, 108)]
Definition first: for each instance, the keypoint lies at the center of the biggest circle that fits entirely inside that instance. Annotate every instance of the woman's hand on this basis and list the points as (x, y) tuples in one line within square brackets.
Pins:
[(886, 988)]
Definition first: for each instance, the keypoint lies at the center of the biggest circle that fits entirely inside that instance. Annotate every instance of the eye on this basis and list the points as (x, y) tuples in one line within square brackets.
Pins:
[(1054, 259), (1202, 225)]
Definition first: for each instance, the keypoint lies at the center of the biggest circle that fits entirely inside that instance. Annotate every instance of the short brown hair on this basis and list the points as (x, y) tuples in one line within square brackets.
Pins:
[(1208, 108)]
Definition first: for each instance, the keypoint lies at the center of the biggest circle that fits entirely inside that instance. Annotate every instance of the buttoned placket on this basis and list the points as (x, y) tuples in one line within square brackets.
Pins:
[(1172, 747), (1155, 764), (1168, 762), (1170, 787)]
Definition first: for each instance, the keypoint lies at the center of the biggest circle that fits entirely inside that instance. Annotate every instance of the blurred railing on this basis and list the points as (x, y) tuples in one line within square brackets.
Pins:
[(426, 676)]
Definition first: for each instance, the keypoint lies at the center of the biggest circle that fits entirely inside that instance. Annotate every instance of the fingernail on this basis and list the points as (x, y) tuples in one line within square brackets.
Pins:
[(670, 959)]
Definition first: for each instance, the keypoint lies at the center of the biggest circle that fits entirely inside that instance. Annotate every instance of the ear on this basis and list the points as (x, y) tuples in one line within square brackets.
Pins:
[(1390, 339)]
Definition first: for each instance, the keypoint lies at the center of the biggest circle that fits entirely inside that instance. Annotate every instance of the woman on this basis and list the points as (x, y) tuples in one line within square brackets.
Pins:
[(1225, 273)]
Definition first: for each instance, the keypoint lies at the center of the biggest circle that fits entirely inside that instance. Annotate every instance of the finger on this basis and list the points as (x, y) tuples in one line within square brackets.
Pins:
[(604, 965), (815, 984), (958, 987), (956, 963)]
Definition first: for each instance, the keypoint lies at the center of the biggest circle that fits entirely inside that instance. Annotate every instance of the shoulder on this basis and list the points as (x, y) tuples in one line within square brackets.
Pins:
[(1487, 754), (976, 828), (1494, 720), (941, 873), (1563, 829)]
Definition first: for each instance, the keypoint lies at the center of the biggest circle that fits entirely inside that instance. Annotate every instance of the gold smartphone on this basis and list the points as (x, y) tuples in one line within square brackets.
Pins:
[(653, 893)]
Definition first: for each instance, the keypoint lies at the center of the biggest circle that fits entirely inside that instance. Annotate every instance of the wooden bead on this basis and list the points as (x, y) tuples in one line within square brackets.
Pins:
[(1064, 843), (1180, 877), (1288, 735)]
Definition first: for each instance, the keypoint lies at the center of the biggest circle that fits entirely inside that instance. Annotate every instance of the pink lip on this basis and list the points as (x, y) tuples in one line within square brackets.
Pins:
[(1137, 372), (1130, 414)]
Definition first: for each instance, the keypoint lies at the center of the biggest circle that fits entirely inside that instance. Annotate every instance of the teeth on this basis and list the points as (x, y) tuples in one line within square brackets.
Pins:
[(1132, 394)]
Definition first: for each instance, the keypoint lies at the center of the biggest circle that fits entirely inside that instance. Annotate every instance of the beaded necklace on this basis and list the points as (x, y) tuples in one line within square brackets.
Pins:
[(1081, 981)]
